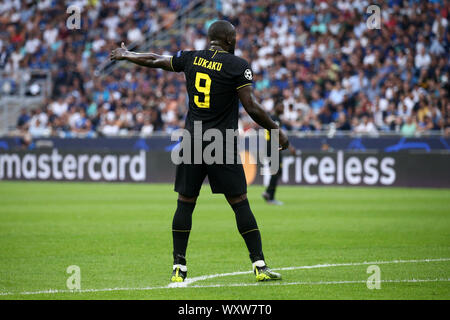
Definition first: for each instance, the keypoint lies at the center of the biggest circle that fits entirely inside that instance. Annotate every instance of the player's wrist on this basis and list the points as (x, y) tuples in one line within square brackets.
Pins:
[(126, 55)]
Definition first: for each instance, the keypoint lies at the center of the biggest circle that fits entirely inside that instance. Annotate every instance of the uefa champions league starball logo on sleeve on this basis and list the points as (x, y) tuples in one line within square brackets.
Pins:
[(248, 74)]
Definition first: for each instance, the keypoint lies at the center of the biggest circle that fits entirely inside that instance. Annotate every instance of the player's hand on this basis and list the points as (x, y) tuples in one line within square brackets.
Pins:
[(283, 139), (119, 53)]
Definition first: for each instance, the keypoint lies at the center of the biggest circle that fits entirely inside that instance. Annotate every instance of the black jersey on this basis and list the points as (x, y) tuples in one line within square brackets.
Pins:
[(212, 80)]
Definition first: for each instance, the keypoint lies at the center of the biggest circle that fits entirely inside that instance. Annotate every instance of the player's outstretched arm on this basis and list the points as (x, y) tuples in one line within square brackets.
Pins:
[(150, 60), (258, 114)]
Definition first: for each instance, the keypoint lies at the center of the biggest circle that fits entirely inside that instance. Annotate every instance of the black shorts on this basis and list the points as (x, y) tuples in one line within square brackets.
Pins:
[(228, 179)]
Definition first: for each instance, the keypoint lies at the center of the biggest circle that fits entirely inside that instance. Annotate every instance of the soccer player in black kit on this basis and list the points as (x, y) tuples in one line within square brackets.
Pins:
[(269, 193), (216, 80)]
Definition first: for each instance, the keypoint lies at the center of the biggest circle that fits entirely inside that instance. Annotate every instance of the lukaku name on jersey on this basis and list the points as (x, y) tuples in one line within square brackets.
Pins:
[(199, 61)]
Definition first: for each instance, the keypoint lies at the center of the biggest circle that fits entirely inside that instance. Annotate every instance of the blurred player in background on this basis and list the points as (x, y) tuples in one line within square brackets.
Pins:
[(269, 193)]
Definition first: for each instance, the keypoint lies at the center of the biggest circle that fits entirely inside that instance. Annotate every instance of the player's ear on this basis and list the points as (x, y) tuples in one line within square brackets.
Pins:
[(231, 43), (228, 40)]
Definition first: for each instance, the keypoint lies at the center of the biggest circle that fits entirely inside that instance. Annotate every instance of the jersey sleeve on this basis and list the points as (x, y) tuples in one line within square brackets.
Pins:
[(245, 75), (179, 60)]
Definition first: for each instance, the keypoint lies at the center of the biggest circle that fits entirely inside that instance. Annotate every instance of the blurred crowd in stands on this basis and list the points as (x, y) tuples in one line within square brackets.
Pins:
[(318, 59)]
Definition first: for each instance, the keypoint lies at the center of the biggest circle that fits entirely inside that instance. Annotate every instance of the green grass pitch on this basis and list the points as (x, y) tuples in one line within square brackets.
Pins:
[(120, 237)]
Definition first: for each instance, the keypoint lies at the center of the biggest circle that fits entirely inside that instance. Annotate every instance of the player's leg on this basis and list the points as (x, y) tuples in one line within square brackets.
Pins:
[(229, 179), (248, 228), (188, 181), (269, 193), (181, 229)]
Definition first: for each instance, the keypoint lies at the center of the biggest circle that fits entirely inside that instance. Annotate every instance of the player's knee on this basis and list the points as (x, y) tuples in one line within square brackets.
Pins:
[(236, 199), (187, 199)]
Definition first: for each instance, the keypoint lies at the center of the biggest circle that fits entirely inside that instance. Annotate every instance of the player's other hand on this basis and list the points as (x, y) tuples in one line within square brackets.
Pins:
[(119, 53), (283, 139)]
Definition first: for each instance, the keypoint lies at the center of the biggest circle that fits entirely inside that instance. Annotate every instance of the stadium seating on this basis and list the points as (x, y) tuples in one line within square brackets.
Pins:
[(331, 72)]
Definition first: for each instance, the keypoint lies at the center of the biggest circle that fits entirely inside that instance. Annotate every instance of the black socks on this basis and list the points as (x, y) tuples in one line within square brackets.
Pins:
[(181, 228), (246, 224), (248, 229)]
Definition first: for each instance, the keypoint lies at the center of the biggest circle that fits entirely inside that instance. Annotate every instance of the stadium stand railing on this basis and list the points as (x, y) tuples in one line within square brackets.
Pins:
[(26, 90), (195, 12), (30, 88)]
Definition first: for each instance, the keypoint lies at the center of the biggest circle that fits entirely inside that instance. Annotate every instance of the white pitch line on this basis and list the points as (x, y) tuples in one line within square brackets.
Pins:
[(362, 263), (189, 281), (230, 285), (316, 283)]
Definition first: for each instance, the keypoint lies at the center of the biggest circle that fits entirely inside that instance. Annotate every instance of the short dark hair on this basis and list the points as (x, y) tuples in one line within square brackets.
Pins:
[(220, 30)]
